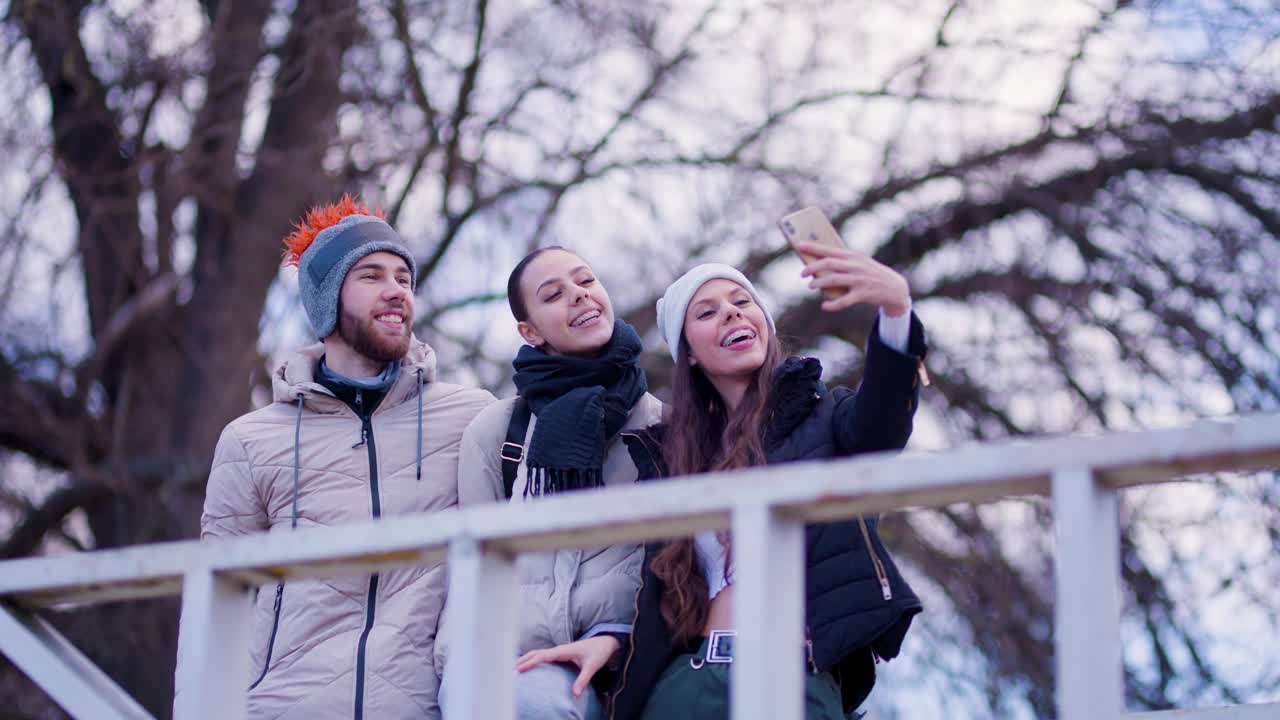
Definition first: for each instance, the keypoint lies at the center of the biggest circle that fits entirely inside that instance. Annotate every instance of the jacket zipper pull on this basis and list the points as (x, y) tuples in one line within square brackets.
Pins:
[(360, 411), (808, 644), (884, 588)]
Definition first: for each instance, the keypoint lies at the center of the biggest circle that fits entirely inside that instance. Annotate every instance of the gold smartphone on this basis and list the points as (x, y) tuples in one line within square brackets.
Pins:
[(812, 225)]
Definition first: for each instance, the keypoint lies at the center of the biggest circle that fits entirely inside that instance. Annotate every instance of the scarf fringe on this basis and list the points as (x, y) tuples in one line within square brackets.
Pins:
[(540, 481)]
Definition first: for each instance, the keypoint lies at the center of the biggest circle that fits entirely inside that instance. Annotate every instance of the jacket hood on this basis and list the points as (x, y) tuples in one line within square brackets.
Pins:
[(296, 376)]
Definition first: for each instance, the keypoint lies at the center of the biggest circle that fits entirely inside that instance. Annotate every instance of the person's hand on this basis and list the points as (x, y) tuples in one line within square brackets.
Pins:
[(589, 655), (863, 279)]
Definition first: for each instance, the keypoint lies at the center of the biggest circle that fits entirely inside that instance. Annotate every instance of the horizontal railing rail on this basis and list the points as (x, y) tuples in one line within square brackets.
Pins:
[(765, 507)]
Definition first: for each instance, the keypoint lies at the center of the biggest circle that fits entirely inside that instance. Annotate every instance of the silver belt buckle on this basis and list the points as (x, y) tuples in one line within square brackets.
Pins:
[(509, 455), (714, 655)]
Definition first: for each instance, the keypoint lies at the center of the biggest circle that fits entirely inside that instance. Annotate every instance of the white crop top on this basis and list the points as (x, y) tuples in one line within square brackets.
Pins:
[(711, 560)]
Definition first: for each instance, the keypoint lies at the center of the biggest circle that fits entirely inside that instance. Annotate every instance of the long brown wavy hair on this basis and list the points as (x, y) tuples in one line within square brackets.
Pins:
[(702, 436)]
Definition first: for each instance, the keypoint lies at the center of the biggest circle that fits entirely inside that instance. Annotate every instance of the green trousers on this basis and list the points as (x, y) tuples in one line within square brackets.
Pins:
[(685, 693)]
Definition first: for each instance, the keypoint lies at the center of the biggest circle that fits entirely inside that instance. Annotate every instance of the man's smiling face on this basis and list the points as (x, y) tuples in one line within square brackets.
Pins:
[(376, 318)]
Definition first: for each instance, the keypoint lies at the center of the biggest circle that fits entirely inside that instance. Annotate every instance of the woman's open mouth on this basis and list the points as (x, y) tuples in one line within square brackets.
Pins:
[(586, 319), (738, 339)]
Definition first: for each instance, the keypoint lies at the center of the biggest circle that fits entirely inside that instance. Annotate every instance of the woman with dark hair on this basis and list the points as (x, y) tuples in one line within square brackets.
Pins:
[(580, 388), (738, 401)]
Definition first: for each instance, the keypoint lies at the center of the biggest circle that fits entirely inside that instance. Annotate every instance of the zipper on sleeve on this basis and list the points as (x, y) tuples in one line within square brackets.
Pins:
[(881, 575)]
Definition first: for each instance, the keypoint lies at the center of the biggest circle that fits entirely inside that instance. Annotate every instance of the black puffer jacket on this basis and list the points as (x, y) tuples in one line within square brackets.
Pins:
[(852, 617)]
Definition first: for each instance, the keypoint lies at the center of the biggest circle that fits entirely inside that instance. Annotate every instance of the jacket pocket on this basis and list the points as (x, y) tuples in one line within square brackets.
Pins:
[(271, 641)]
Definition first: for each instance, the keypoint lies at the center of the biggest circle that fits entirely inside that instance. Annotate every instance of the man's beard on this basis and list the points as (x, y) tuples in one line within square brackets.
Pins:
[(363, 340)]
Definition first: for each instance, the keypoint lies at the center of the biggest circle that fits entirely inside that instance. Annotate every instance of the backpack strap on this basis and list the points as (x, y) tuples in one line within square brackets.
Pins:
[(512, 450)]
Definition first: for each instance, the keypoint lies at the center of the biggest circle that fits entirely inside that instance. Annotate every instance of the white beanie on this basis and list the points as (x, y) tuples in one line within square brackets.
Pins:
[(675, 301)]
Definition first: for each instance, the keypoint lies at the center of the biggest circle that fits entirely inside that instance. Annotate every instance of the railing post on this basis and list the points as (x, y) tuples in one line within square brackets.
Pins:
[(1090, 680), (213, 648), (62, 671), (767, 675), (482, 622)]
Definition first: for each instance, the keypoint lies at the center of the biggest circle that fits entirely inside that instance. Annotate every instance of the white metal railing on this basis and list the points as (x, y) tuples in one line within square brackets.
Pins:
[(766, 508)]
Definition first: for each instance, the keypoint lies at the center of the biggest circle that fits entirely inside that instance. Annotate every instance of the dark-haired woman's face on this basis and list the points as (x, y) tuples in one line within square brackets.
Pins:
[(569, 310), (726, 330)]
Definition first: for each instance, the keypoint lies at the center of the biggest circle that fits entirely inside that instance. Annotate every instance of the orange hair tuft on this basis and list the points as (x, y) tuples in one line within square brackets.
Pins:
[(318, 218)]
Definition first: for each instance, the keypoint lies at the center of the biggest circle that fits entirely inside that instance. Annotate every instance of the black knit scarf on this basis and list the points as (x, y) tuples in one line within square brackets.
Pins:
[(580, 404)]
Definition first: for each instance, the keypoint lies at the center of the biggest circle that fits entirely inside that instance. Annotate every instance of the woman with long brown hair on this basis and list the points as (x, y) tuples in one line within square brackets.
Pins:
[(738, 401)]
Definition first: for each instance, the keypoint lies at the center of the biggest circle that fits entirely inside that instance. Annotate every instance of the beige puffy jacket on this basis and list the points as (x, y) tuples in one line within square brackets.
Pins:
[(371, 635), (567, 594)]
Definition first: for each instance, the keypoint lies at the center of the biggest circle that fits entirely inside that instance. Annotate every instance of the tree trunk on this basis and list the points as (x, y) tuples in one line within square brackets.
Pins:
[(175, 375)]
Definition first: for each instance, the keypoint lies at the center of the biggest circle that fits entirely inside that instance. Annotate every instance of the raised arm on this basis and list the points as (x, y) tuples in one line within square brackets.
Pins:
[(878, 416)]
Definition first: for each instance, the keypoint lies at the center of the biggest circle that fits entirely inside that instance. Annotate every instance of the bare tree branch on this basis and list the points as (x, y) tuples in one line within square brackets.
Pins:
[(88, 141), (36, 417), (31, 530), (453, 158), (401, 17)]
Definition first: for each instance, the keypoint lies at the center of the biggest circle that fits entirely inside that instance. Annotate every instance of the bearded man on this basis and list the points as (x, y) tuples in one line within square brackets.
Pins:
[(359, 428)]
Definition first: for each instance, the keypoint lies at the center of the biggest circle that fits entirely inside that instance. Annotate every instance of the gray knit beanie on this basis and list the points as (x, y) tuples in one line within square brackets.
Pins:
[(324, 264)]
